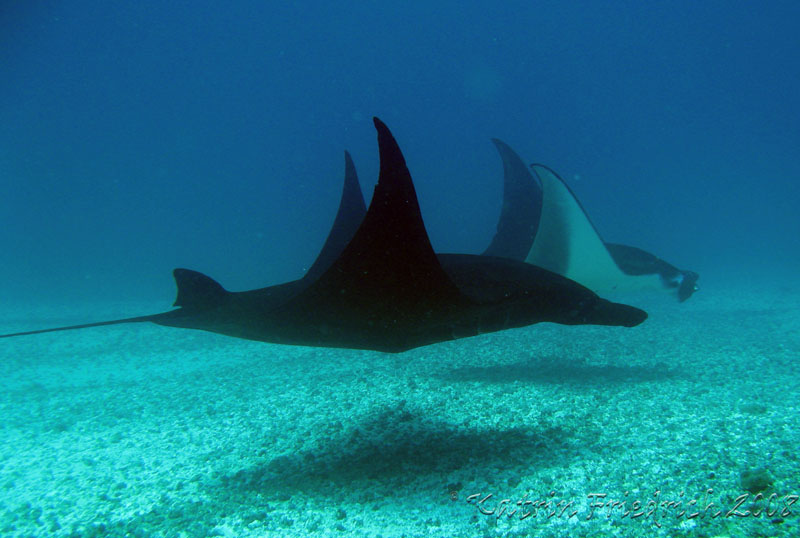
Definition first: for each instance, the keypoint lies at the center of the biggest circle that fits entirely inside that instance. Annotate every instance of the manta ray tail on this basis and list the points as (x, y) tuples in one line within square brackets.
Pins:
[(83, 326), (195, 291)]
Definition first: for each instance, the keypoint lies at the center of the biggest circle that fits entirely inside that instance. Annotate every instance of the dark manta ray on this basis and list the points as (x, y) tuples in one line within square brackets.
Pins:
[(386, 290), (543, 223)]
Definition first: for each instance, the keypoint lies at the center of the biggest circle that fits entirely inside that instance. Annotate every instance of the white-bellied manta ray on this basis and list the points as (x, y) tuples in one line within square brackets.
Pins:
[(384, 288), (543, 223)]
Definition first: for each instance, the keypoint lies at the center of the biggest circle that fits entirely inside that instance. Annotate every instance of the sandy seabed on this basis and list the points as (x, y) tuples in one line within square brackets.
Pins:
[(140, 430)]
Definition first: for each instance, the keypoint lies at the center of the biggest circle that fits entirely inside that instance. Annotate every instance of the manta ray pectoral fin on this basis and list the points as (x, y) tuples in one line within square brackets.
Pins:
[(567, 241), (351, 212), (386, 290), (389, 258), (521, 209)]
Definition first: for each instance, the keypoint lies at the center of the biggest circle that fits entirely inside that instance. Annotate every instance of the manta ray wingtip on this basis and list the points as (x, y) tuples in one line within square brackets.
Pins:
[(499, 143)]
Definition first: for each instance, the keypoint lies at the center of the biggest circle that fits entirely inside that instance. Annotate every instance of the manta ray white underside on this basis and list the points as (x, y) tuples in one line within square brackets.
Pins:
[(567, 243)]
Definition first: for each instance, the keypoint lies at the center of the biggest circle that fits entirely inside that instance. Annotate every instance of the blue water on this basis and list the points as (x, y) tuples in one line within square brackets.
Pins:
[(136, 137)]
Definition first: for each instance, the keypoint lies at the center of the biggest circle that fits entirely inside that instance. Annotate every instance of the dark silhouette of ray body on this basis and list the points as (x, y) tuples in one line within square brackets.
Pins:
[(385, 289)]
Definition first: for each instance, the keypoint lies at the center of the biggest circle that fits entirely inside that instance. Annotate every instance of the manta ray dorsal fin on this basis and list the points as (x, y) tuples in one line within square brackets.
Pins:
[(522, 206), (390, 261), (348, 218), (567, 242), (196, 290)]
